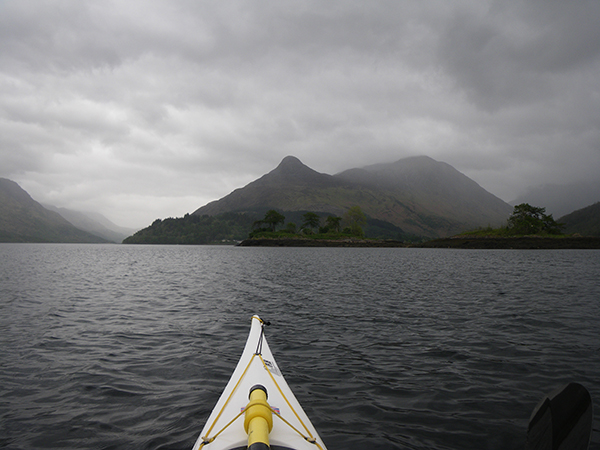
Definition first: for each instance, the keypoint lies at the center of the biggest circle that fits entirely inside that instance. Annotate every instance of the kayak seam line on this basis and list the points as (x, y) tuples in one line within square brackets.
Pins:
[(311, 439), (260, 340), (209, 440), (227, 401), (285, 398)]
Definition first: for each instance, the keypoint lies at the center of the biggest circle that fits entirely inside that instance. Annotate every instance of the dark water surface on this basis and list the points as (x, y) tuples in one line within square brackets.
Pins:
[(129, 347)]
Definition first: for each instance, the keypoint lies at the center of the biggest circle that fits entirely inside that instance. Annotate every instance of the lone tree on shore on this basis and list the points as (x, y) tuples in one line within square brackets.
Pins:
[(271, 220), (332, 223), (311, 221), (355, 219), (527, 219)]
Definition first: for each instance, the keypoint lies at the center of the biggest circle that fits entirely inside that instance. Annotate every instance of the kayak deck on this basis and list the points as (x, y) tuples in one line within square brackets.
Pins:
[(291, 427)]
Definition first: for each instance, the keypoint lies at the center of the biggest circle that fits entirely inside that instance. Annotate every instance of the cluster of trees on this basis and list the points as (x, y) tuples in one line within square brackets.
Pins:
[(354, 220), (194, 230), (527, 219), (234, 227)]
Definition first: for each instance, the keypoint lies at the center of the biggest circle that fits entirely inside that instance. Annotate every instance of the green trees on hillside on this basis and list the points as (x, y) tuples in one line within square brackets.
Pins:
[(312, 224), (234, 227), (332, 223), (311, 221), (194, 230), (355, 219), (271, 220)]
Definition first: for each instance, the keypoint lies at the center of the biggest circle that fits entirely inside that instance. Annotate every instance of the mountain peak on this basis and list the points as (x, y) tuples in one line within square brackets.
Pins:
[(289, 181), (290, 161), (290, 165), (418, 194), (292, 171)]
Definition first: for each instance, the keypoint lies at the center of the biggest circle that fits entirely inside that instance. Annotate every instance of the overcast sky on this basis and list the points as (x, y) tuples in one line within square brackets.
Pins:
[(150, 109)]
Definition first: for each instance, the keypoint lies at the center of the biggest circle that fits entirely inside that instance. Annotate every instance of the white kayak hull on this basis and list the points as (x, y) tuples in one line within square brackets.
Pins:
[(291, 429)]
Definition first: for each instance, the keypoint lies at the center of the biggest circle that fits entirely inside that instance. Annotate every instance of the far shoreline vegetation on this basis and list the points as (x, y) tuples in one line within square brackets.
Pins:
[(311, 227), (236, 227), (528, 227)]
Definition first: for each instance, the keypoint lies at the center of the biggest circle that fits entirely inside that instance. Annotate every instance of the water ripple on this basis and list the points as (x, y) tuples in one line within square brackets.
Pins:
[(109, 346)]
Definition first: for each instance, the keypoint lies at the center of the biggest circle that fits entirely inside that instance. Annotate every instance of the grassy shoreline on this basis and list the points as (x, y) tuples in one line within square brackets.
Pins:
[(460, 242), (514, 242), (318, 242)]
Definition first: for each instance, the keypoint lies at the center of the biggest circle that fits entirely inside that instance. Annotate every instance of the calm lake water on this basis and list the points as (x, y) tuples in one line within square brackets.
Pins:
[(129, 347)]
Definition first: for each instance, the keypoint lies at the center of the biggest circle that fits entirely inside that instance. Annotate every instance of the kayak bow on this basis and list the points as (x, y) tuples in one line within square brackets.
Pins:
[(257, 409)]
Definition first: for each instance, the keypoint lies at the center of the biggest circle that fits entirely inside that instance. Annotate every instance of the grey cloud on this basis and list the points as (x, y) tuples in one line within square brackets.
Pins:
[(516, 51), (206, 96)]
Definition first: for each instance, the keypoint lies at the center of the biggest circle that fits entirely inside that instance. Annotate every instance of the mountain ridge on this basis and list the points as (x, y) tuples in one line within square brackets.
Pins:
[(94, 223), (427, 181), (299, 179), (561, 199), (22, 219), (584, 221), (413, 193)]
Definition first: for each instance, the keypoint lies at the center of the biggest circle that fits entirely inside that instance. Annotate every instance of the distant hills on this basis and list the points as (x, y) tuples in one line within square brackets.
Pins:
[(585, 221), (409, 199), (94, 223), (560, 200), (418, 195), (22, 219)]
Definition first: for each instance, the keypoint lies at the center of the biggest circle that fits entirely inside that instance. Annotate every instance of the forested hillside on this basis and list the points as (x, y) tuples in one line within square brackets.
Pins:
[(194, 230), (585, 221)]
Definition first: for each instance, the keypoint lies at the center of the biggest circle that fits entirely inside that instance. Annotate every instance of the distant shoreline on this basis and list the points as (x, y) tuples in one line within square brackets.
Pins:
[(517, 243), (306, 242)]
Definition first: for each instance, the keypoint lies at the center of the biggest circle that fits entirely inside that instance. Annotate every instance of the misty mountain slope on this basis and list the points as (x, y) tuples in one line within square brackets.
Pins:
[(560, 200), (419, 195), (292, 172), (437, 187), (94, 223), (22, 219), (585, 221), (290, 186), (293, 186)]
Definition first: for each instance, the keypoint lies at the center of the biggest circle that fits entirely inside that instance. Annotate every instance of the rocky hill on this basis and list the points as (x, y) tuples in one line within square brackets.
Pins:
[(22, 219), (419, 195)]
